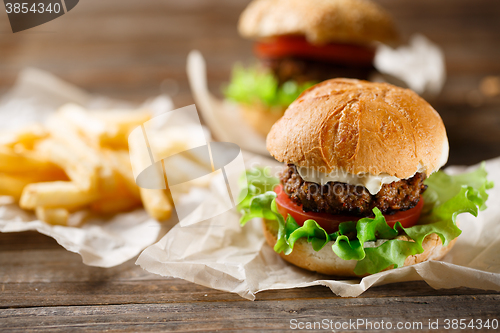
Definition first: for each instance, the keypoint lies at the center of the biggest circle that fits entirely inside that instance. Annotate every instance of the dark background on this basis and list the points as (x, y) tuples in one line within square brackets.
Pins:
[(126, 49)]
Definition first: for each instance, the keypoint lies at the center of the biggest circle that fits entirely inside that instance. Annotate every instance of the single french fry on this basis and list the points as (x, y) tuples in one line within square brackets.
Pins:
[(155, 201), (53, 175), (156, 204), (56, 195), (116, 204), (12, 186), (25, 161), (55, 216)]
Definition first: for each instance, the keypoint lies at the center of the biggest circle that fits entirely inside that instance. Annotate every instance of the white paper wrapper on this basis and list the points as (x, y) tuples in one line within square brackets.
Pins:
[(220, 254), (419, 66), (100, 242)]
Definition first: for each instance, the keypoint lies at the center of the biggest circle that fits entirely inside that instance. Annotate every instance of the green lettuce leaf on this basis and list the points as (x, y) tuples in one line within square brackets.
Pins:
[(253, 85), (311, 229), (393, 252), (260, 206), (367, 230), (446, 197), (441, 187), (257, 181)]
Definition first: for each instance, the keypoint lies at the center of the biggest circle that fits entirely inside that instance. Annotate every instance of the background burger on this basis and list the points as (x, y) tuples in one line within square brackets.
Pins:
[(299, 43), (361, 191)]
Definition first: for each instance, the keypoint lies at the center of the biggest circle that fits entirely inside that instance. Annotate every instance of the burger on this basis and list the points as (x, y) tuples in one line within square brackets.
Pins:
[(360, 191), (299, 43)]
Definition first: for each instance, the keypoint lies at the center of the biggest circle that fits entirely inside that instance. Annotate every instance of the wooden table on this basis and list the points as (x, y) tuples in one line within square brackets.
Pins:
[(127, 49)]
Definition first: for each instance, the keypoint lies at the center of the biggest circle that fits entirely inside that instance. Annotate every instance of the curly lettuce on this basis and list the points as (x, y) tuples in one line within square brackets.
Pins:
[(253, 85), (446, 197)]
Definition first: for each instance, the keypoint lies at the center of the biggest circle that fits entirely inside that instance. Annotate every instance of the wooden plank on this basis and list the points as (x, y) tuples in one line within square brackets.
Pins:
[(35, 268), (261, 315), (159, 291)]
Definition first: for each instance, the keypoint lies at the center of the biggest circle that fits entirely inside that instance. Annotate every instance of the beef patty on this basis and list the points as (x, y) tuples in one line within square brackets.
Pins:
[(342, 198), (306, 70)]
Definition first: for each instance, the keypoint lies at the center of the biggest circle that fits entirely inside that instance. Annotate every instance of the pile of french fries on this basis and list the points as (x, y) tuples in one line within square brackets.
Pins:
[(77, 160)]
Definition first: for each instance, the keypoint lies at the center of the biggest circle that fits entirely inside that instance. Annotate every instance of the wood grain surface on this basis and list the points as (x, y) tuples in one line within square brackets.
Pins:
[(46, 288), (136, 49)]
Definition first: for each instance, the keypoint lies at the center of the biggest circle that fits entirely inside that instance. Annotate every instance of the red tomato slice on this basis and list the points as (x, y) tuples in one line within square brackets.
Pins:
[(330, 222), (285, 46)]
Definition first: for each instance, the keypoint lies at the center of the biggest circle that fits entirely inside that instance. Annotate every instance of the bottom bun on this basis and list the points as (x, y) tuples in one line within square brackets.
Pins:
[(261, 118), (327, 262)]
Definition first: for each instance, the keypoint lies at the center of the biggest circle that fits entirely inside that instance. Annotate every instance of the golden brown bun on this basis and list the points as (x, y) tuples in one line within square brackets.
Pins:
[(359, 127), (260, 118), (327, 262), (320, 21)]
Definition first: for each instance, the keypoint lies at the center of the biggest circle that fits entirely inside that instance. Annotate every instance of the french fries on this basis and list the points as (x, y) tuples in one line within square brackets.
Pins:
[(113, 205), (56, 216), (25, 137), (78, 160), (56, 194), (120, 162), (81, 153), (25, 161), (156, 203), (12, 186), (82, 172), (104, 128)]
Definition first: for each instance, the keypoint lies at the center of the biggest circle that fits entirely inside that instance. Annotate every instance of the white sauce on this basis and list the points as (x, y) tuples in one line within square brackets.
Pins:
[(371, 182)]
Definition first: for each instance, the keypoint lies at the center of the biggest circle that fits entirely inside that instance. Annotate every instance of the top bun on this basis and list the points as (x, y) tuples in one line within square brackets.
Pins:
[(320, 21), (360, 127)]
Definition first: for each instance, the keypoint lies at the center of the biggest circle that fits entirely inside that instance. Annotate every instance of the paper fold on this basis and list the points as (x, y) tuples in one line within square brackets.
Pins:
[(222, 255)]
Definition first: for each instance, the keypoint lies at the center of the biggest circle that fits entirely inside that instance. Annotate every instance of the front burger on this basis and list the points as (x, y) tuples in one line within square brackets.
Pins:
[(360, 191)]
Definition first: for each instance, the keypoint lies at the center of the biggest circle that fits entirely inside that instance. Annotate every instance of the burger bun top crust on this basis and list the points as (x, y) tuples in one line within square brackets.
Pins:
[(361, 128), (320, 21)]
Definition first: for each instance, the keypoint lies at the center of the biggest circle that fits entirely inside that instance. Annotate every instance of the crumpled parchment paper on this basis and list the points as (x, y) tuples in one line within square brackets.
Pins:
[(101, 242), (220, 254), (420, 65)]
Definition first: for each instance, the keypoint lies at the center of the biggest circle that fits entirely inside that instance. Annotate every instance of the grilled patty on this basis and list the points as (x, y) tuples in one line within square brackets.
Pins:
[(305, 70), (342, 198)]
